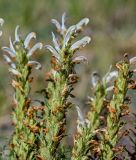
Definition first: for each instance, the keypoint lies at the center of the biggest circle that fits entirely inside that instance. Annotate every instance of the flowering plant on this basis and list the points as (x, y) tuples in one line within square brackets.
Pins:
[(40, 129)]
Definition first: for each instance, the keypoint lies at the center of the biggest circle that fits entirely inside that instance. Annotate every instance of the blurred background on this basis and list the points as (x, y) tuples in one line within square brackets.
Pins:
[(112, 28)]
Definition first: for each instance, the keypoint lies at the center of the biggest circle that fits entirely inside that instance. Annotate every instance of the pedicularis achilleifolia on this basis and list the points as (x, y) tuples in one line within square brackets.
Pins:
[(18, 57), (39, 129), (117, 109), (89, 126), (61, 79)]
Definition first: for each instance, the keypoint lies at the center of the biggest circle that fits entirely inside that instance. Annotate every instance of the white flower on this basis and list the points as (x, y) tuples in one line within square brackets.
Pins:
[(106, 81), (1, 23), (60, 27), (53, 51), (82, 23), (68, 35), (9, 61), (79, 59), (80, 116), (133, 61), (17, 37), (34, 48), (11, 46), (81, 43), (81, 121), (28, 39), (95, 79), (110, 88), (11, 51), (15, 72), (63, 27), (110, 76), (55, 43), (12, 54), (34, 63)]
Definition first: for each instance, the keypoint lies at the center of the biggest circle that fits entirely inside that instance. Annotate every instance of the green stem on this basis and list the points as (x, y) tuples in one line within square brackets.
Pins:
[(22, 142)]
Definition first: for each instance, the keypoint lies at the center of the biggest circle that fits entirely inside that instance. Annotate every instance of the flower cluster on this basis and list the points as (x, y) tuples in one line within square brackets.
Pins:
[(14, 57), (107, 84), (67, 36)]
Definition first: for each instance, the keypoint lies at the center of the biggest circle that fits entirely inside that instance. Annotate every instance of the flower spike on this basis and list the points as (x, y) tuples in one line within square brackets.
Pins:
[(61, 79), (19, 54)]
